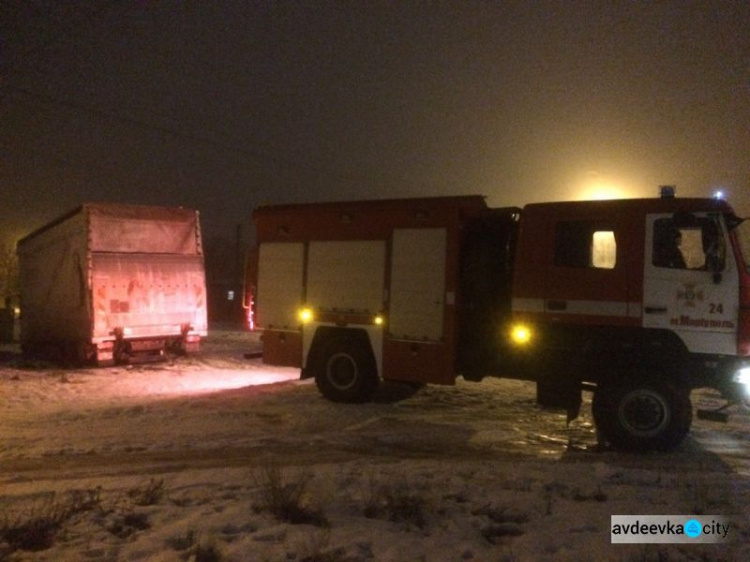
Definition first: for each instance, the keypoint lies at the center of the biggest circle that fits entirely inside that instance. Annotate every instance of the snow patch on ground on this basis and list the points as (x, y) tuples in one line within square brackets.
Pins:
[(471, 472)]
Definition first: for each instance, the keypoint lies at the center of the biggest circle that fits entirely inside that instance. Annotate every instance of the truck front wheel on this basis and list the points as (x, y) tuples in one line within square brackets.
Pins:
[(645, 416), (346, 371)]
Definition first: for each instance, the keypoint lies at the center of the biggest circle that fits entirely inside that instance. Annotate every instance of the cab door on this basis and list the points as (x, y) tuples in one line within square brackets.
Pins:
[(587, 281), (690, 281)]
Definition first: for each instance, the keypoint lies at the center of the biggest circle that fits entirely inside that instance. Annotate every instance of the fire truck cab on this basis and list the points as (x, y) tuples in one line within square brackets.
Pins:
[(641, 301)]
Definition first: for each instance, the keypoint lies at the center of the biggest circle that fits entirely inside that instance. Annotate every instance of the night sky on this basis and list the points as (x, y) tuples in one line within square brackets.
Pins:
[(221, 106)]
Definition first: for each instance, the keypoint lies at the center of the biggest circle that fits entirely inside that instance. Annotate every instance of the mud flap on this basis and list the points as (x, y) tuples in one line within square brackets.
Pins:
[(560, 394)]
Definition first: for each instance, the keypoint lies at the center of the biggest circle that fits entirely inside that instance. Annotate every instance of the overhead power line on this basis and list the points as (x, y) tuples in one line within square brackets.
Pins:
[(219, 145)]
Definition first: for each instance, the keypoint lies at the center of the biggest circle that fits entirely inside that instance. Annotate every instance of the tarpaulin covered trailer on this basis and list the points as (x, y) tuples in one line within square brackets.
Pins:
[(111, 282)]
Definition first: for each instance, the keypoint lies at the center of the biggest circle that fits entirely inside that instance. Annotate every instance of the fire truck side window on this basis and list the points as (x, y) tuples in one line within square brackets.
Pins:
[(584, 244), (667, 245), (696, 244), (604, 249)]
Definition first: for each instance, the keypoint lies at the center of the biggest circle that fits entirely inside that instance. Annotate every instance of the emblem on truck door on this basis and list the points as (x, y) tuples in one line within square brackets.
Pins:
[(689, 296)]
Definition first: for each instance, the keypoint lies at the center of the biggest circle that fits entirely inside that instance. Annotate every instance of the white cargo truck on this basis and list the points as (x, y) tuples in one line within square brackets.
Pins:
[(110, 283)]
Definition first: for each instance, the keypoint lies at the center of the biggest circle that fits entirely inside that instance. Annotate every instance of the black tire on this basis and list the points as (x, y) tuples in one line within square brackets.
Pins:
[(346, 371), (647, 416)]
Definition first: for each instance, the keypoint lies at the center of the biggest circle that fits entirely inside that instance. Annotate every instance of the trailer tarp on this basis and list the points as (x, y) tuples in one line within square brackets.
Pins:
[(129, 229)]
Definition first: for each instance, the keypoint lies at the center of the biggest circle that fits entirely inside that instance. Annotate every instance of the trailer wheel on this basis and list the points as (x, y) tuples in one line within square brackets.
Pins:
[(346, 371), (643, 416)]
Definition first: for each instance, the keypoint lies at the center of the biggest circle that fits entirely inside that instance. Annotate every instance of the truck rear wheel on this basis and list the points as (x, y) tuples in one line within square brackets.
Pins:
[(346, 371), (645, 416)]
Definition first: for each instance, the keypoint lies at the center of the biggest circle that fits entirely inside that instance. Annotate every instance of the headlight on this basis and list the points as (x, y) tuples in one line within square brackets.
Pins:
[(742, 377)]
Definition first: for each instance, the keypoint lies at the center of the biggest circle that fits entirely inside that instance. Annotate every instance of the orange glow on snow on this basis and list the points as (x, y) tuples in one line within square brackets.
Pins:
[(207, 381)]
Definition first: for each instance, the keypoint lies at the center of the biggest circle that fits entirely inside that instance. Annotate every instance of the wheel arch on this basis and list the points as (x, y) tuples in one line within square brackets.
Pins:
[(323, 334), (624, 354)]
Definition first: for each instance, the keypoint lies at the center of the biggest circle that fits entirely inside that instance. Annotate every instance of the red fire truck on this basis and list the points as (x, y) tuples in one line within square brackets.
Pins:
[(639, 301)]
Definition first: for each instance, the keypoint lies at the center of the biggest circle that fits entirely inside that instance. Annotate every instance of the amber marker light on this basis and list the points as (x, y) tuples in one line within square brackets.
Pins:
[(520, 334), (306, 315), (378, 320)]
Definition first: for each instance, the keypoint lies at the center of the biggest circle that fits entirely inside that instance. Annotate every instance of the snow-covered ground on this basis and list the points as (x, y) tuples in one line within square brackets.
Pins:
[(176, 460)]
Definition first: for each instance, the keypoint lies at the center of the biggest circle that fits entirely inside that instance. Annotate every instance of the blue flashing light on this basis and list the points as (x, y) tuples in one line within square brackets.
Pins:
[(667, 191)]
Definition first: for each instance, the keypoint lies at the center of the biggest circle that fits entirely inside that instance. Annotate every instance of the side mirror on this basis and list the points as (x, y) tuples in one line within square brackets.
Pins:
[(714, 262), (712, 247)]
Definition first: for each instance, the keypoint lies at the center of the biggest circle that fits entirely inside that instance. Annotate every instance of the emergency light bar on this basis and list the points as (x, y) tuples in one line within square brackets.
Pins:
[(667, 191)]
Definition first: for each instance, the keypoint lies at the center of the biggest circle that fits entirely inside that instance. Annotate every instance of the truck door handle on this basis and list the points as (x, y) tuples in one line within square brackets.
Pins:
[(656, 310), (557, 305)]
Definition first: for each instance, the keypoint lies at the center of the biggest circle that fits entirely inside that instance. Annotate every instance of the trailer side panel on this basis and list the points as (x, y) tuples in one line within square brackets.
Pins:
[(54, 271)]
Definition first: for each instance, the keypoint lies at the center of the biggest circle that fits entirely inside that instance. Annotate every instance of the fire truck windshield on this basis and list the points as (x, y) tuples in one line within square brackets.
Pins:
[(743, 235)]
